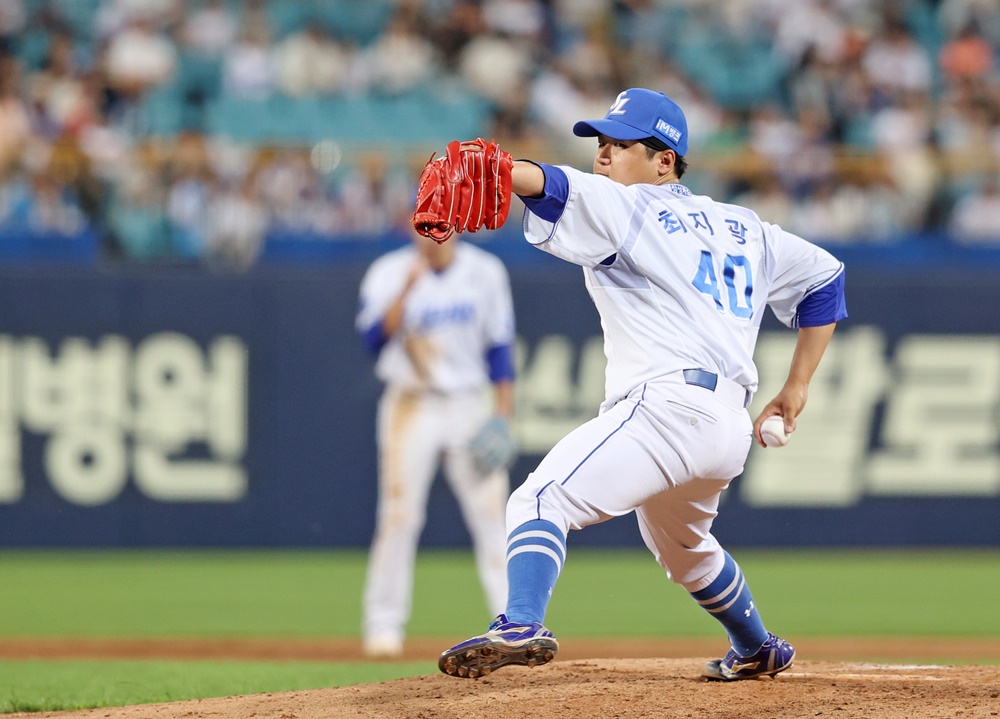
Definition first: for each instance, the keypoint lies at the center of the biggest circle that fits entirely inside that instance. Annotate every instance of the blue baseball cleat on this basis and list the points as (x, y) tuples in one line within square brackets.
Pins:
[(504, 643), (774, 656)]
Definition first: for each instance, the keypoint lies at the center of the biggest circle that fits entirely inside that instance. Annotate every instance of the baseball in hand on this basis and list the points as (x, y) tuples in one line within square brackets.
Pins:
[(772, 431)]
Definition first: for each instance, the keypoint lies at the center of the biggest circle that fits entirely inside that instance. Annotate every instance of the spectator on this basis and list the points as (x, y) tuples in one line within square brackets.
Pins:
[(885, 215), (310, 62), (248, 70), (769, 199), (52, 206), (812, 159), (896, 63), (572, 84), (56, 92), (773, 134), (114, 16), (521, 19), (966, 125), (819, 216), (954, 15), (135, 221), (211, 30), (463, 22), (811, 26), (363, 192), (236, 228), (13, 21), (400, 59), (15, 123), (288, 185), (188, 201), (901, 135), (495, 66), (139, 58), (966, 56), (813, 86), (975, 220)]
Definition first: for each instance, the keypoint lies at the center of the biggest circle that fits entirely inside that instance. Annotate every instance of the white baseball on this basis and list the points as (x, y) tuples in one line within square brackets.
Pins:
[(772, 431)]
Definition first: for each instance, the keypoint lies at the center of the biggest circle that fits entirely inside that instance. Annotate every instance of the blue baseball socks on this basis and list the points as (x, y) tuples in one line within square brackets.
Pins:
[(728, 599), (536, 552)]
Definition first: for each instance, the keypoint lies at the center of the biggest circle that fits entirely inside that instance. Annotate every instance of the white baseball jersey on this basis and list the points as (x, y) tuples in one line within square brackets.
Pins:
[(680, 281), (450, 320)]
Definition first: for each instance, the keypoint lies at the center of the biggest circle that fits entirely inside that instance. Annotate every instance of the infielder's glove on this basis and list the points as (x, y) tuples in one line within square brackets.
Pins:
[(493, 447), (465, 189)]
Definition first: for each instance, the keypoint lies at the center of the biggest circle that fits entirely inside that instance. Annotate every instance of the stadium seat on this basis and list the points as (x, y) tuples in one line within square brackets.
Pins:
[(141, 231), (361, 22), (299, 120), (163, 113), (286, 16), (78, 14), (199, 76), (32, 48), (239, 119)]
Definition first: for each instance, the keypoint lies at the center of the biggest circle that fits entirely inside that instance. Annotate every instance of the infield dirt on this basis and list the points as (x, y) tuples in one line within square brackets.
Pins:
[(659, 679)]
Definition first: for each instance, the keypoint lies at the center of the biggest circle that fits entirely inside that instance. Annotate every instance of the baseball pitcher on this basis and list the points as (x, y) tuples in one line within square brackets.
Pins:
[(681, 283)]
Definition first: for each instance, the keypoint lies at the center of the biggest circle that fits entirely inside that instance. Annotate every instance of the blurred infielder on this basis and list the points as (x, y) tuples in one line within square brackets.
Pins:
[(441, 320), (681, 283)]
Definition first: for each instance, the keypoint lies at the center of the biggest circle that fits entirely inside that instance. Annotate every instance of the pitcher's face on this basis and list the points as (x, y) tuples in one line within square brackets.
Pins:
[(625, 161)]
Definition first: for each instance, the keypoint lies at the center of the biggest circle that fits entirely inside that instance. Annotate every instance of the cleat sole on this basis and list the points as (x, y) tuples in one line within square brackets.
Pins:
[(480, 661)]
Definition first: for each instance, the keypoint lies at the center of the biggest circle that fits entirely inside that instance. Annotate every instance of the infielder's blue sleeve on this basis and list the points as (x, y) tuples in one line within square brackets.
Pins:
[(500, 360), (550, 205), (824, 306), (374, 338)]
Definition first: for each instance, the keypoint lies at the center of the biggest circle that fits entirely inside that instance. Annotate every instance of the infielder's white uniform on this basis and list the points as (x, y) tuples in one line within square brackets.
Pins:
[(436, 397), (681, 283)]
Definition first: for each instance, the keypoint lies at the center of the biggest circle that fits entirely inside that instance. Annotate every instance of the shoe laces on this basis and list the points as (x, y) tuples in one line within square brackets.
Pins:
[(498, 622)]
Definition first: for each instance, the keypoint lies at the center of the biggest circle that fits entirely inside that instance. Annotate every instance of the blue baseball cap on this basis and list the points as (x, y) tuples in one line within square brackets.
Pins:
[(637, 114)]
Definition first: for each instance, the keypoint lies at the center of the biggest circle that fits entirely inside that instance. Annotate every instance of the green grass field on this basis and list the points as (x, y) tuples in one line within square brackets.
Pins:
[(316, 595)]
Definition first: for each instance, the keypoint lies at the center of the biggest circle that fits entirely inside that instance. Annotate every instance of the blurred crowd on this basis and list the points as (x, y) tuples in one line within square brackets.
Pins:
[(842, 120)]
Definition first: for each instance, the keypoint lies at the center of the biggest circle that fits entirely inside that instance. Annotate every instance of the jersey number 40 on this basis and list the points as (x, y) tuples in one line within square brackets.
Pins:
[(738, 291)]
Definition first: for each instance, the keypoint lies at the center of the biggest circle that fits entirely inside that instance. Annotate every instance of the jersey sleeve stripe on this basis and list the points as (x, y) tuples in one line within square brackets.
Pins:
[(824, 305), (550, 205), (374, 338), (500, 360)]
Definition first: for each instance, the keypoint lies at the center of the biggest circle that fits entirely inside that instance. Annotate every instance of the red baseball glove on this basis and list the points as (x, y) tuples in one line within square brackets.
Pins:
[(466, 189)]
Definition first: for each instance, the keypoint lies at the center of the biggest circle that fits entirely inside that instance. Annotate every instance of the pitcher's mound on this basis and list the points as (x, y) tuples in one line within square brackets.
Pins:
[(626, 688)]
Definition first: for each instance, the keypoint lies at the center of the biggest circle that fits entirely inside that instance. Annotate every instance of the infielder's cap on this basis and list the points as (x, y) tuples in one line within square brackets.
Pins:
[(637, 114)]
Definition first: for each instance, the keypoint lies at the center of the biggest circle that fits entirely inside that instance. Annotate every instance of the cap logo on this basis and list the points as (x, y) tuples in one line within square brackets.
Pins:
[(668, 130), (618, 107)]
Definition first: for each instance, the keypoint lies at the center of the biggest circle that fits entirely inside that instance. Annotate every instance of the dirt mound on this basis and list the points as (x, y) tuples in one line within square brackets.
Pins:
[(633, 688), (659, 681)]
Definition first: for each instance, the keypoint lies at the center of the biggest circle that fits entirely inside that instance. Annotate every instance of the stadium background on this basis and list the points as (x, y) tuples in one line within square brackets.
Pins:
[(189, 193)]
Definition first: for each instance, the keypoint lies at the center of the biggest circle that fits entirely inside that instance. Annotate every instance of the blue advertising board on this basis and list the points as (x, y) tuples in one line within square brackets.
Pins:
[(189, 408)]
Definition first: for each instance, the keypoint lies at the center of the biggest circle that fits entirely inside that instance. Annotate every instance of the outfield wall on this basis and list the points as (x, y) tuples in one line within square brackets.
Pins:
[(186, 408)]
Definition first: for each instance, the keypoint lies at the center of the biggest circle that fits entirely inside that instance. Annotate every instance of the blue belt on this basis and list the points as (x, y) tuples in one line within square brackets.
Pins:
[(708, 380)]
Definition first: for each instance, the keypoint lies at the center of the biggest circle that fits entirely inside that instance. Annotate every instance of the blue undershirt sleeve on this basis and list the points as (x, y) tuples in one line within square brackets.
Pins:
[(550, 205), (500, 360), (374, 338), (824, 306)]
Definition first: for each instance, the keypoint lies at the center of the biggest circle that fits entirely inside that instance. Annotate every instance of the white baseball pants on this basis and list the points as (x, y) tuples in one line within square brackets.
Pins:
[(666, 451), (417, 433)]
